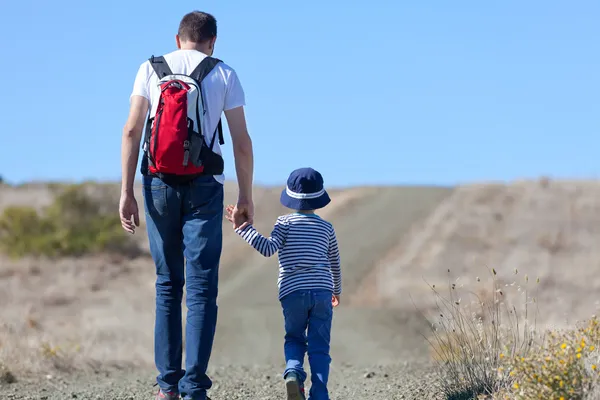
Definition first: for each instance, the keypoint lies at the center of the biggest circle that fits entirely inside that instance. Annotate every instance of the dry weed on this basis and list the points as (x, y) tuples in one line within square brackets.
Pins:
[(60, 358), (496, 352), (470, 340)]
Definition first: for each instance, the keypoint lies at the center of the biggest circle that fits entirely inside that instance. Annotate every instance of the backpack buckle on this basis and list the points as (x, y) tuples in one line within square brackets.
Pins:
[(186, 153)]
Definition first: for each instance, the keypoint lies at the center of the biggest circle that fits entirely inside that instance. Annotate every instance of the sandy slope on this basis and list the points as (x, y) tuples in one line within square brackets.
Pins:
[(100, 312), (97, 312), (546, 229)]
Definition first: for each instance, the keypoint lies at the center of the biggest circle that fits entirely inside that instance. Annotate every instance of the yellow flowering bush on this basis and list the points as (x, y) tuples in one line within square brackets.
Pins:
[(565, 367), (495, 352)]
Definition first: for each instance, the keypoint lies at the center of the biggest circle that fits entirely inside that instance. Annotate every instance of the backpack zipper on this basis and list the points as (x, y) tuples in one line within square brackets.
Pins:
[(186, 144)]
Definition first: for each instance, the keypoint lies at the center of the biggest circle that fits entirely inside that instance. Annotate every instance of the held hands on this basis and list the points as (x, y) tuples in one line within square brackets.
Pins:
[(243, 215), (240, 215)]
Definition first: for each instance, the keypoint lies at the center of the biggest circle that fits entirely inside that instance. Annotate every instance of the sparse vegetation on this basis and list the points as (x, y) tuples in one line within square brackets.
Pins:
[(75, 224), (565, 367), (60, 358), (497, 353), (6, 377), (470, 339), (106, 306)]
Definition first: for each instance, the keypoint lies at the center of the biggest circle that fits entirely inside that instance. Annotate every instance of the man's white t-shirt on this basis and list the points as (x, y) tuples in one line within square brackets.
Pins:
[(221, 89)]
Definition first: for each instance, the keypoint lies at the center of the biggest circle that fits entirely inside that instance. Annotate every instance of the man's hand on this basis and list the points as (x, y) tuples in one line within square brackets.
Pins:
[(128, 210), (240, 215), (335, 300)]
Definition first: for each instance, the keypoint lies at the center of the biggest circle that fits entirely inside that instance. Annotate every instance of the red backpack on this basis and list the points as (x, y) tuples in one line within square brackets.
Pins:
[(174, 144)]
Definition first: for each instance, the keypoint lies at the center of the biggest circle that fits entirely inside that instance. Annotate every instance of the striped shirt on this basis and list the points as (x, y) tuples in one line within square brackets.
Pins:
[(309, 257)]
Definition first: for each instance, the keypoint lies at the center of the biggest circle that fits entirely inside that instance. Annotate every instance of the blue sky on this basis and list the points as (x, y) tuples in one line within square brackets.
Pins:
[(377, 92)]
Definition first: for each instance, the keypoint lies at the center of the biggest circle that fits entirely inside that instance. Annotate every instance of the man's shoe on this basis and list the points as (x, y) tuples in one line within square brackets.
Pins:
[(295, 391), (161, 395)]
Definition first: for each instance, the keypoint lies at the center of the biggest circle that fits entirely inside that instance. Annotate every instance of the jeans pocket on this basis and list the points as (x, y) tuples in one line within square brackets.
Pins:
[(323, 308), (155, 200), (206, 197), (294, 309)]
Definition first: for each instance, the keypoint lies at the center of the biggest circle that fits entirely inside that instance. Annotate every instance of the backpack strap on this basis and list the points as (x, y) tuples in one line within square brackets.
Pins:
[(162, 69), (220, 130), (199, 73), (204, 68), (160, 66)]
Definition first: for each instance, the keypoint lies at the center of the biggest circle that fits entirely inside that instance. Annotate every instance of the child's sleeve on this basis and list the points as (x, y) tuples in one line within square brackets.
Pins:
[(334, 261), (265, 246)]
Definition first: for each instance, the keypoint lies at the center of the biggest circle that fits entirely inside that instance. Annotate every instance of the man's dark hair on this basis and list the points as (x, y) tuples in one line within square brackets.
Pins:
[(197, 27)]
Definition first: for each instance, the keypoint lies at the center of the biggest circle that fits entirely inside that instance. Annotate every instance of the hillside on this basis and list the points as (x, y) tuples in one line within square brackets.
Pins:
[(546, 229), (105, 307), (97, 312)]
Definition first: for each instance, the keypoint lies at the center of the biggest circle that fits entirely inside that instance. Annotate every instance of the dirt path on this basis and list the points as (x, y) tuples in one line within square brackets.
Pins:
[(369, 382)]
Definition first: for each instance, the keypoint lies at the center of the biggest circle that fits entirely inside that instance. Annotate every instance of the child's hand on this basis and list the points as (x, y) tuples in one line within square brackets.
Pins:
[(229, 213), (240, 215), (335, 300)]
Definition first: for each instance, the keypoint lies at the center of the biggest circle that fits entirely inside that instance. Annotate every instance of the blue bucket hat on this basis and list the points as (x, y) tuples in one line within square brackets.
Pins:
[(304, 190)]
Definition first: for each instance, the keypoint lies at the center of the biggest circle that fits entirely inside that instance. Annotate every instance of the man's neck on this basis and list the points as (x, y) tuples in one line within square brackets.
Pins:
[(196, 46)]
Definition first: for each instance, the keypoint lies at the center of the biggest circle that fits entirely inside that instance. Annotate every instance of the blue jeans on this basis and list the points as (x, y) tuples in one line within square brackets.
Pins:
[(308, 315), (185, 221)]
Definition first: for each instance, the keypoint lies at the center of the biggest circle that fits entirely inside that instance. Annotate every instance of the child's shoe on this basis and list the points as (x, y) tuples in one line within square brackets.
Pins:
[(295, 391), (166, 395)]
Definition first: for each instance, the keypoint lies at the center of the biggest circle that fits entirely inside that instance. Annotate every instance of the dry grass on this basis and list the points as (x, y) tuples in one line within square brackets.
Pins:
[(472, 334), (80, 314), (489, 349)]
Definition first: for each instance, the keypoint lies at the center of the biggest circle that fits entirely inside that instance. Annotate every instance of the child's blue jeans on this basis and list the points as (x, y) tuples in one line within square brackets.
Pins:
[(308, 315)]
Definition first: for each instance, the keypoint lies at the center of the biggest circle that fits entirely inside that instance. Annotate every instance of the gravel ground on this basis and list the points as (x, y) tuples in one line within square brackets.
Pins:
[(404, 381)]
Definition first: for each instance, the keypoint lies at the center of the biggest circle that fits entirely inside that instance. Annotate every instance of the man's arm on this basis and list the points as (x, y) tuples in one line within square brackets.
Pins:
[(130, 148), (242, 151), (244, 160), (130, 144)]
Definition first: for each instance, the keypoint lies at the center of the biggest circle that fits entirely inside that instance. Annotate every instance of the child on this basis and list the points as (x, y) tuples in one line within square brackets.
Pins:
[(310, 281)]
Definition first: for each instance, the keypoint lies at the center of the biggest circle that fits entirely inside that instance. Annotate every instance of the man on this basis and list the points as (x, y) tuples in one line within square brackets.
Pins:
[(184, 218)]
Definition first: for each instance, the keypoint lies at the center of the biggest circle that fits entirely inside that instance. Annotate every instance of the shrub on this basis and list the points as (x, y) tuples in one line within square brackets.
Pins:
[(23, 232), (59, 357), (75, 224), (6, 377), (471, 341), (565, 367), (496, 353)]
